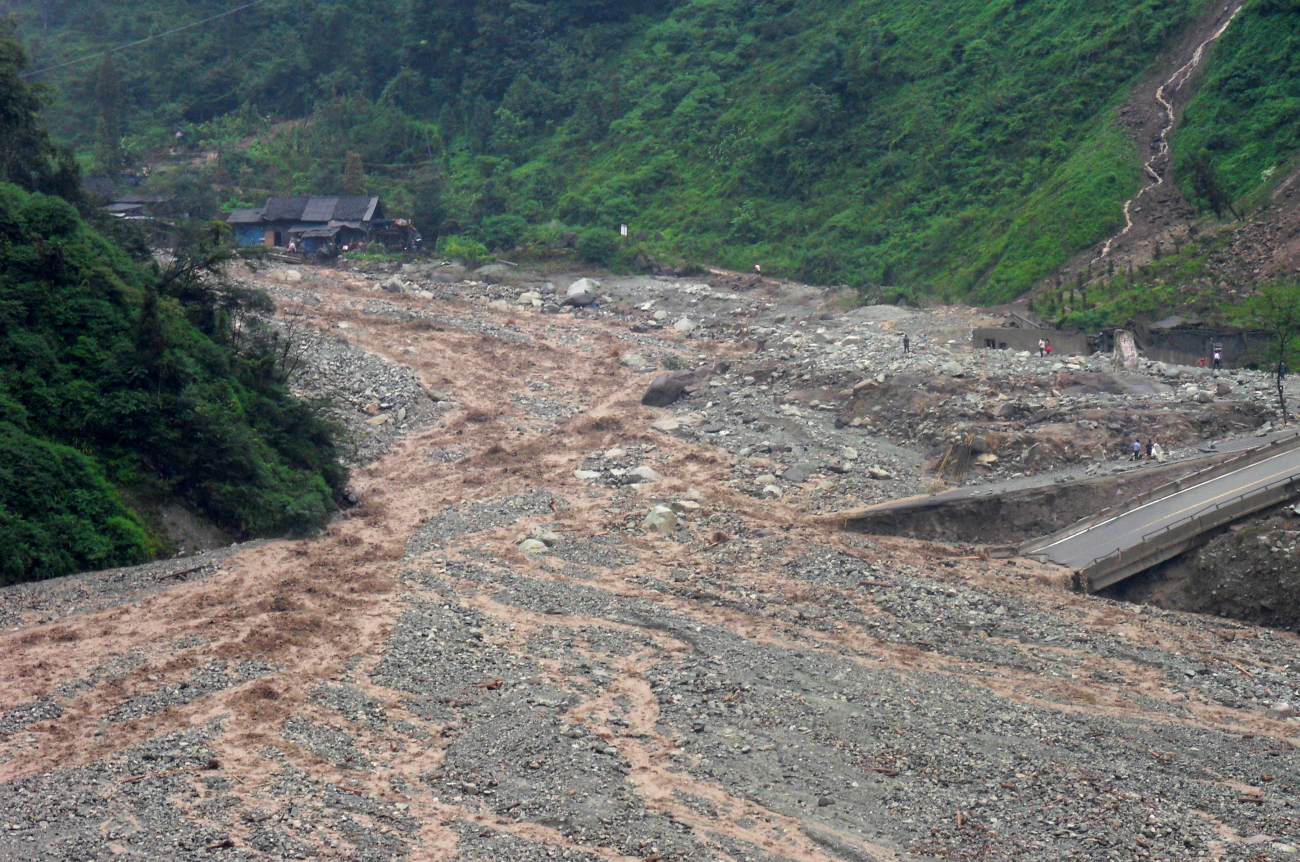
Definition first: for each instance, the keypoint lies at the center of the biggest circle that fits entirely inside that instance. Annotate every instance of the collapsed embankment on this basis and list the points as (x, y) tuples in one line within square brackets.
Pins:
[(1249, 572), (1014, 516)]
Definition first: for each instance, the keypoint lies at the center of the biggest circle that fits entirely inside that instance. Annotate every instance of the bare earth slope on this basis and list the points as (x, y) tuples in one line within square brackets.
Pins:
[(746, 687)]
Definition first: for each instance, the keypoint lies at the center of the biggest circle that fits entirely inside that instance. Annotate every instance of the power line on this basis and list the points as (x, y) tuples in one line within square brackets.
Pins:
[(142, 41)]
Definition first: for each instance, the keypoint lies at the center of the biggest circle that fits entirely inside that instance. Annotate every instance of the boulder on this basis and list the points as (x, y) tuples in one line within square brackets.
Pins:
[(879, 473), (685, 325), (661, 519), (771, 492), (633, 360), (644, 474), (499, 305), (586, 475), (667, 389), (1223, 387), (533, 546), (548, 537), (952, 369), (492, 271), (798, 473), (394, 285), (685, 508), (582, 292)]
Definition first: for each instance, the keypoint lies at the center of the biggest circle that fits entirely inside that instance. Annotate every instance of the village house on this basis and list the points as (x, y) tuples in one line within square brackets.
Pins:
[(138, 206), (315, 224)]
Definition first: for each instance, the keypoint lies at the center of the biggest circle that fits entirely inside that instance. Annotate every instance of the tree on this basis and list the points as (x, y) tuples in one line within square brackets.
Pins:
[(354, 175), (1276, 310), (108, 102), (28, 158), (1205, 179)]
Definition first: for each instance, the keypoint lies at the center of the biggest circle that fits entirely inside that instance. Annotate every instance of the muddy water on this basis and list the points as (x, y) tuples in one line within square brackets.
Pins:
[(750, 686)]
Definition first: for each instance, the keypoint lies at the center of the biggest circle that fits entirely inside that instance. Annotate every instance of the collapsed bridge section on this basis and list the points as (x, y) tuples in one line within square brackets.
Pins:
[(1157, 526)]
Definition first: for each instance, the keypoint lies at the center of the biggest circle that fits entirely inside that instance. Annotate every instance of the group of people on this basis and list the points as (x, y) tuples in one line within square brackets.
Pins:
[(1044, 347), (1138, 449), (1216, 360)]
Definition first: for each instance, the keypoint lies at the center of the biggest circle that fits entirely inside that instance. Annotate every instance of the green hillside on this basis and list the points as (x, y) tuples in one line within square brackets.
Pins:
[(119, 376), (956, 147), (1245, 116)]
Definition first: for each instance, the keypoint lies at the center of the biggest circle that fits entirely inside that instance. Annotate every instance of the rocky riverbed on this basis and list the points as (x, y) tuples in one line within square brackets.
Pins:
[(559, 624)]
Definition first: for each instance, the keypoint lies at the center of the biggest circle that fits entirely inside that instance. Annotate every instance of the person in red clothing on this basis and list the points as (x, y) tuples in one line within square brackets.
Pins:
[(1047, 346)]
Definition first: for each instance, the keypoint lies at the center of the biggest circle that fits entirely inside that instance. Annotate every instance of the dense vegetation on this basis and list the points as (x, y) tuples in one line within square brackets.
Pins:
[(954, 146), (119, 375), (1245, 118)]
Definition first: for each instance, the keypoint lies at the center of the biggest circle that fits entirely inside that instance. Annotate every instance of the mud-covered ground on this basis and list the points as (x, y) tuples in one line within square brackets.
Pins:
[(492, 658)]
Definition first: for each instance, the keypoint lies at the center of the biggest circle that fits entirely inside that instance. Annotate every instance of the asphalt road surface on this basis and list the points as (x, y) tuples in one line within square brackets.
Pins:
[(1068, 476), (1127, 529)]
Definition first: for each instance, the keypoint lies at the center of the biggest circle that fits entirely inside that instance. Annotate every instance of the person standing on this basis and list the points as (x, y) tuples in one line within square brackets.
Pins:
[(1042, 346), (1218, 359), (907, 344), (1137, 450), (1151, 449), (1047, 348)]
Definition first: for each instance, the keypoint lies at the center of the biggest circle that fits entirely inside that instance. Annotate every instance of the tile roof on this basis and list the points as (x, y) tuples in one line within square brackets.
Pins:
[(285, 208), (321, 209), (245, 217)]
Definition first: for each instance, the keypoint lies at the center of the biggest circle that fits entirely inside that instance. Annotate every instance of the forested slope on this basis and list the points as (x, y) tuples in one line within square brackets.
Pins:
[(118, 375), (959, 147)]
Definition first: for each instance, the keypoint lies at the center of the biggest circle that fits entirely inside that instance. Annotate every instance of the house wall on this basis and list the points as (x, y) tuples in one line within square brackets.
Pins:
[(1188, 346), (248, 234), (1008, 337)]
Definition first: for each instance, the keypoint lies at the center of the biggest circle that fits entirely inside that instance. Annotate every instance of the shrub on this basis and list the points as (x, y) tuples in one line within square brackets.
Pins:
[(470, 252), (598, 246), (58, 514), (502, 231)]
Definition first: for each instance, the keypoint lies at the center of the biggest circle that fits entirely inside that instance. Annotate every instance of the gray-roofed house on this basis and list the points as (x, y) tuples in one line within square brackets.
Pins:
[(311, 223), (247, 225), (140, 206)]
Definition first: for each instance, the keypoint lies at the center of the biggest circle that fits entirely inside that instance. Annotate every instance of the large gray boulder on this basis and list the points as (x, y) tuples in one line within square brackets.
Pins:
[(668, 389), (582, 292), (492, 271)]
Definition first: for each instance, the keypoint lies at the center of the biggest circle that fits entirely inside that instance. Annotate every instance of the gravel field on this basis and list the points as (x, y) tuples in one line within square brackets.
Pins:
[(560, 625)]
